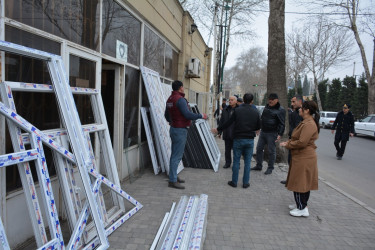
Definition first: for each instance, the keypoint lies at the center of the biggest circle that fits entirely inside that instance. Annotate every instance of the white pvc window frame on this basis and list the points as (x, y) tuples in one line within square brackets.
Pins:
[(78, 138)]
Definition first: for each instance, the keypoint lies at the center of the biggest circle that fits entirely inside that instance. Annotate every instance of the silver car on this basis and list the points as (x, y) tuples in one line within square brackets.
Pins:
[(366, 126)]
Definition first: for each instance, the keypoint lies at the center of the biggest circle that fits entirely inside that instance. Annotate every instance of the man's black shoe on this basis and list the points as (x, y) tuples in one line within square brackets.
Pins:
[(179, 180), (230, 183), (339, 157), (283, 182), (175, 185), (246, 185), (268, 171), (226, 166), (255, 168)]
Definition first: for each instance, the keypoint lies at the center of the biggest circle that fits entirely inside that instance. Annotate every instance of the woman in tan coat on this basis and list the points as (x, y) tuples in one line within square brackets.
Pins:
[(303, 172)]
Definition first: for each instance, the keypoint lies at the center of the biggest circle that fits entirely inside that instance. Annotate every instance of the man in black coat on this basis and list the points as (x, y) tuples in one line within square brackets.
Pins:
[(344, 125), (246, 121), (228, 132), (273, 126)]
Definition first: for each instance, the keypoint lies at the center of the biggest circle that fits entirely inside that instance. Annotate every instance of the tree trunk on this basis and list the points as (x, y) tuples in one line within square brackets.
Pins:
[(370, 78), (276, 75), (316, 87)]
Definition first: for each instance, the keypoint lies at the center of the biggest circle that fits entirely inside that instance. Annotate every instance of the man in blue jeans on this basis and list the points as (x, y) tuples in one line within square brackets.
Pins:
[(246, 122), (179, 116)]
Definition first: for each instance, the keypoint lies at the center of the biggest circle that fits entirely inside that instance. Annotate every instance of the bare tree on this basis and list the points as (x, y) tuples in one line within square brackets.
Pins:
[(238, 18), (294, 64), (320, 46), (358, 17), (250, 69)]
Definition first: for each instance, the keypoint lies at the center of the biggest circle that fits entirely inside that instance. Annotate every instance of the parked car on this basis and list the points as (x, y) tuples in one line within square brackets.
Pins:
[(366, 126), (327, 118)]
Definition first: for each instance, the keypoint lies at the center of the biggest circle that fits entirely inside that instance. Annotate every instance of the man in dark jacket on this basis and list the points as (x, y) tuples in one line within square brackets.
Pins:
[(179, 116), (228, 132), (246, 122), (273, 126), (294, 120), (344, 125)]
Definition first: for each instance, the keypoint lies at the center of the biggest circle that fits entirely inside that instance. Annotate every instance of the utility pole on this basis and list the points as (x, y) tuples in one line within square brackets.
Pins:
[(225, 34)]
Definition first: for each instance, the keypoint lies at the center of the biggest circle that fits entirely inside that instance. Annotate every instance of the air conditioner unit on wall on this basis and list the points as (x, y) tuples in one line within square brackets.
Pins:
[(194, 68)]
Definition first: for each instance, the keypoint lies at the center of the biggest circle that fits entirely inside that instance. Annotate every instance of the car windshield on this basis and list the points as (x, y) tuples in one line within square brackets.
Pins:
[(331, 115), (367, 119)]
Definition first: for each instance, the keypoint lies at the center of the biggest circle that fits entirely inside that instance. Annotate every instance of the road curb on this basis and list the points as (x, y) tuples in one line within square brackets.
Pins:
[(284, 168), (362, 204)]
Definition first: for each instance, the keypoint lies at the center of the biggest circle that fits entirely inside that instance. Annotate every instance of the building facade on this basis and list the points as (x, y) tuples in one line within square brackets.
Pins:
[(103, 44)]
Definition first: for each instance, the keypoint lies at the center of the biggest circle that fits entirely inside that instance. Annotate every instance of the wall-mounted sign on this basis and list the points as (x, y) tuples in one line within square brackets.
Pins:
[(121, 51)]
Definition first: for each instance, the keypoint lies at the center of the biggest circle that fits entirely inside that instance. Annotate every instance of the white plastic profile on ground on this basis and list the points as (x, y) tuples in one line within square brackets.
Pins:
[(83, 158), (186, 224)]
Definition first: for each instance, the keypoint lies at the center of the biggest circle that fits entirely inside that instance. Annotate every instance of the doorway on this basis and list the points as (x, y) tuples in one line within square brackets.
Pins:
[(111, 91), (108, 94)]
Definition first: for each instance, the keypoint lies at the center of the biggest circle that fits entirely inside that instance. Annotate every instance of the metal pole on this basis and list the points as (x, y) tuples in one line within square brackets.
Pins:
[(225, 34), (220, 59)]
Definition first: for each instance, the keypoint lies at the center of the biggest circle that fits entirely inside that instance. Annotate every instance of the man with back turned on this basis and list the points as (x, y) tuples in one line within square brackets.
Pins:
[(179, 116)]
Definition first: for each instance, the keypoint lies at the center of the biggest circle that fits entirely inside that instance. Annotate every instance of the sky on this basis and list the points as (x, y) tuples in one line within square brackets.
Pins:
[(261, 29)]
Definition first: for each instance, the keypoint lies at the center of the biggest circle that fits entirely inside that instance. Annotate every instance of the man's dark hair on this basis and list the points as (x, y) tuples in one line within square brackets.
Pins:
[(248, 98), (224, 99), (298, 97), (176, 85)]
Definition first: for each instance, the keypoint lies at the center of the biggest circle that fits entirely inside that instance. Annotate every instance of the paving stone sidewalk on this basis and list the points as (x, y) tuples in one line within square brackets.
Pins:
[(253, 218)]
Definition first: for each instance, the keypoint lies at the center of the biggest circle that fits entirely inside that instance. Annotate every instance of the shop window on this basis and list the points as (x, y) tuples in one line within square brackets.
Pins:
[(82, 74), (74, 20), (40, 109), (171, 62), (25, 69), (131, 106), (120, 25), (153, 51)]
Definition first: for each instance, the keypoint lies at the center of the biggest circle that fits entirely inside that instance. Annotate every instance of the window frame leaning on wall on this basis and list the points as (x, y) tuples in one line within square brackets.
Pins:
[(80, 144)]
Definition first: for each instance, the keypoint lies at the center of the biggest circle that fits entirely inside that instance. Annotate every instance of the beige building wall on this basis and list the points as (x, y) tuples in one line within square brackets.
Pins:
[(171, 21)]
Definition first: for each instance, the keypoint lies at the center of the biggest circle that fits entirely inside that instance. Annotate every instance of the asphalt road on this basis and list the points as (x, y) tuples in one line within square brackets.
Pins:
[(355, 173)]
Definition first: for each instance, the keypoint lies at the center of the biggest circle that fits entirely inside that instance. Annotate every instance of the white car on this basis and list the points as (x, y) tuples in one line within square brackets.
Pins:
[(366, 126), (327, 118)]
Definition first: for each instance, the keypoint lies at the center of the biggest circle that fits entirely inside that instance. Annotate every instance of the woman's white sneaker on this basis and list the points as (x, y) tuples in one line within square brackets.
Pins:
[(293, 206), (299, 213)]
